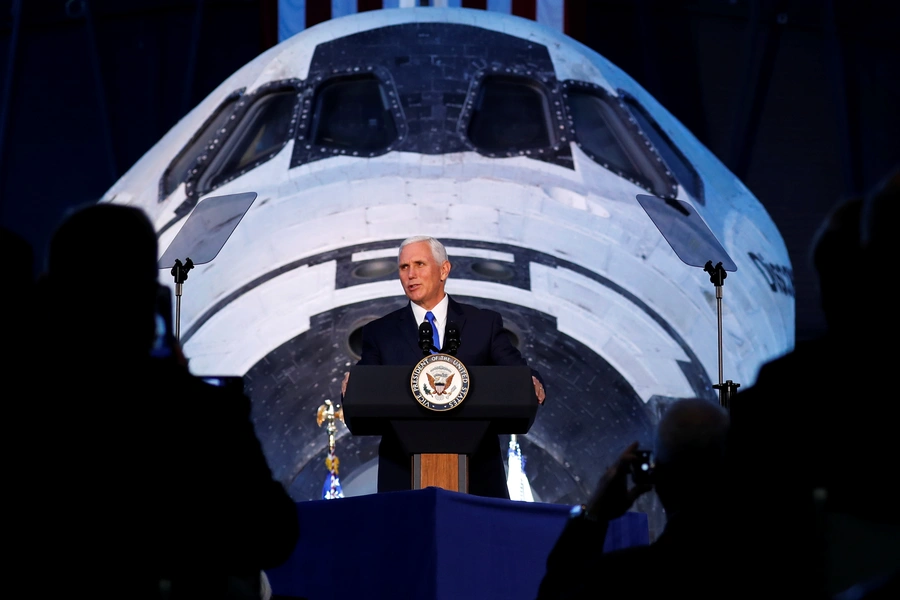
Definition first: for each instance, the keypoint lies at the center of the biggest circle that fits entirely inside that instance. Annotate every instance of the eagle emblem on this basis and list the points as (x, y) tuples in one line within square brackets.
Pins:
[(440, 386), (329, 412), (439, 382)]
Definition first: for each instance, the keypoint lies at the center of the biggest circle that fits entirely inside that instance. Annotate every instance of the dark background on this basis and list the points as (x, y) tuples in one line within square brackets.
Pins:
[(799, 98)]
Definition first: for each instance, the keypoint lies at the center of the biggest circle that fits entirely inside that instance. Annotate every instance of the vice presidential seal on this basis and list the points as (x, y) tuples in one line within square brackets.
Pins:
[(440, 382)]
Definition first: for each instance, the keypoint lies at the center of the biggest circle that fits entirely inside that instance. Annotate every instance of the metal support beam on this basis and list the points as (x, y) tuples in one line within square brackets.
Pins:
[(650, 48), (767, 21), (845, 92), (16, 11), (102, 105), (191, 67)]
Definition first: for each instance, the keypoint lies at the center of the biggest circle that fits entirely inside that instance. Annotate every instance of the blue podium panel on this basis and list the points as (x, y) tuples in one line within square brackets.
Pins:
[(429, 544)]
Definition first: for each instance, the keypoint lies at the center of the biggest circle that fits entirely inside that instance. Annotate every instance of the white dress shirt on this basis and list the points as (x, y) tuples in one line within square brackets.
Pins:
[(440, 316)]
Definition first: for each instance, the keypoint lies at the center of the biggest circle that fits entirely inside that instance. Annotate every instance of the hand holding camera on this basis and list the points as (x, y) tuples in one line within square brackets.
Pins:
[(643, 467), (612, 497)]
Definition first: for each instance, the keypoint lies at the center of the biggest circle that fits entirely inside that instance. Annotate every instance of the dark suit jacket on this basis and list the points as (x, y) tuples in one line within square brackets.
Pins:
[(393, 340)]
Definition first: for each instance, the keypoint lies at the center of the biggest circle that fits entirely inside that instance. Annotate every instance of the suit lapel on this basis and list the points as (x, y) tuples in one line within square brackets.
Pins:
[(409, 330), (455, 314)]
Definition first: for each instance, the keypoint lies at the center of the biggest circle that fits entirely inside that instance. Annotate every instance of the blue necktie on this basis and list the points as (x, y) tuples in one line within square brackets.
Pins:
[(429, 316)]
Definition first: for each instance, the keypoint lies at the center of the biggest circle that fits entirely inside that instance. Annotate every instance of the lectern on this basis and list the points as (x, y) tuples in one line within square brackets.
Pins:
[(379, 399)]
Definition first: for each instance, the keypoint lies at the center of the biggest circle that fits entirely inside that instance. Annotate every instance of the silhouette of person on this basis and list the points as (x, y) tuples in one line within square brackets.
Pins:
[(146, 481), (684, 561), (811, 438)]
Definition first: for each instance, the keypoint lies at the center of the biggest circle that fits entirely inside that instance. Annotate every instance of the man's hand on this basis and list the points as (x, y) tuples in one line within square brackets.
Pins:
[(344, 383), (612, 497), (538, 390)]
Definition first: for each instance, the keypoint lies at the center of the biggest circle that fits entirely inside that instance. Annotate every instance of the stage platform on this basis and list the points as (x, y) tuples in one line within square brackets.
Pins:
[(429, 544)]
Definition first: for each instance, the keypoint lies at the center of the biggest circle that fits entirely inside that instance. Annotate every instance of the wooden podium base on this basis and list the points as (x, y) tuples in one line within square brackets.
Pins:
[(446, 471)]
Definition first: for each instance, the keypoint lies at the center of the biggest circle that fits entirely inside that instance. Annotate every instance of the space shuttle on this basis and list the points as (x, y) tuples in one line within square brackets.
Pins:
[(524, 152)]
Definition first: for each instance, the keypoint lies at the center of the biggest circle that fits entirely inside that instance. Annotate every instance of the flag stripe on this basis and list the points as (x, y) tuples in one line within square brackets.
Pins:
[(503, 6), (525, 8), (291, 18), (575, 19), (550, 13), (342, 8), (567, 16), (317, 12)]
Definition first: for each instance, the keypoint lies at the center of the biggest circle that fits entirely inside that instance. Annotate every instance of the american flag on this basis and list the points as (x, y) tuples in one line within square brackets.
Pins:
[(563, 15)]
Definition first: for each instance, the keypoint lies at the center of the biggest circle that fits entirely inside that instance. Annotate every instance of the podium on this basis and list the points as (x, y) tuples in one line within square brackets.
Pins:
[(379, 400)]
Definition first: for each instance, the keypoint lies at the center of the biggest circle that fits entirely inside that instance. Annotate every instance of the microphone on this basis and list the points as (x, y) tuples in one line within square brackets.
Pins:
[(451, 339), (426, 337)]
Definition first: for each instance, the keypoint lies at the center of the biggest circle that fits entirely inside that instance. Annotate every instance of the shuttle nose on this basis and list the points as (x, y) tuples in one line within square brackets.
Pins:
[(540, 222)]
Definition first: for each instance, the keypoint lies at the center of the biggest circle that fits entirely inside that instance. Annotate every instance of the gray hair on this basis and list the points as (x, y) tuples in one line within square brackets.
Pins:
[(692, 430), (437, 249)]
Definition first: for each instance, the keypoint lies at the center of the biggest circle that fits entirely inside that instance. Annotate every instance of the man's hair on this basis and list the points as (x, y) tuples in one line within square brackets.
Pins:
[(112, 242), (437, 249), (105, 247), (692, 433), (836, 243), (690, 454), (879, 216)]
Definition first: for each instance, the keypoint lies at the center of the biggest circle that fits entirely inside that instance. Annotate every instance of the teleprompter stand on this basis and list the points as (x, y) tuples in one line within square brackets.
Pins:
[(696, 246), (727, 389), (379, 400), (203, 235)]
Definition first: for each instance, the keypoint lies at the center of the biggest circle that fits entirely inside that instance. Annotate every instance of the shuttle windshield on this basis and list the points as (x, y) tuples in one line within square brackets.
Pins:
[(353, 114), (683, 170), (261, 134), (602, 133), (179, 170), (509, 115)]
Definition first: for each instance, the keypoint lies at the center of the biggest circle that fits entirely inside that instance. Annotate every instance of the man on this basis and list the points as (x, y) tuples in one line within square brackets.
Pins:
[(393, 340), (691, 558), (141, 479), (815, 428)]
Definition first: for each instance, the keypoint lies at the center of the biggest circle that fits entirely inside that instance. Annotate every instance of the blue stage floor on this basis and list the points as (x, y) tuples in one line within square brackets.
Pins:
[(429, 544)]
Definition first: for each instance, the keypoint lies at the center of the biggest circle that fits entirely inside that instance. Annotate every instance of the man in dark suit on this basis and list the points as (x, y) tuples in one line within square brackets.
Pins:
[(393, 340), (692, 557)]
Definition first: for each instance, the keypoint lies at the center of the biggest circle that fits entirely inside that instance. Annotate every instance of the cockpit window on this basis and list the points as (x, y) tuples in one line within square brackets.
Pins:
[(353, 114), (684, 171), (179, 170), (509, 115), (602, 131), (262, 132)]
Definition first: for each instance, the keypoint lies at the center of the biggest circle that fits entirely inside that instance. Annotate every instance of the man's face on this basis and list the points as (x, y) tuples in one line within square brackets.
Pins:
[(421, 276)]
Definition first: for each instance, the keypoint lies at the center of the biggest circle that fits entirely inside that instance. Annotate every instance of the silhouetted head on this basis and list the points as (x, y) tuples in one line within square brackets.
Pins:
[(851, 253), (690, 454), (879, 222), (837, 258), (102, 275)]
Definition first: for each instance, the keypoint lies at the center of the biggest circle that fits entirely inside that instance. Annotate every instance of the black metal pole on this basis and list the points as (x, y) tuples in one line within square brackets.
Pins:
[(180, 273), (727, 389)]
